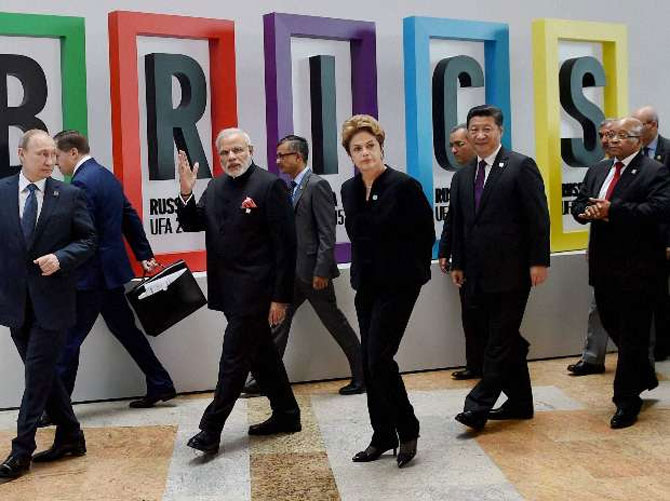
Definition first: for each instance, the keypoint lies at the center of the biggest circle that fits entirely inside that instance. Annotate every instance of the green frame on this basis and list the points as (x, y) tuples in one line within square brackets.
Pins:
[(71, 32)]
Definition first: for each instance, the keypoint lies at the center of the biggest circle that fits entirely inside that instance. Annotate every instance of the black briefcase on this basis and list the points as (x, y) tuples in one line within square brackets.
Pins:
[(166, 298)]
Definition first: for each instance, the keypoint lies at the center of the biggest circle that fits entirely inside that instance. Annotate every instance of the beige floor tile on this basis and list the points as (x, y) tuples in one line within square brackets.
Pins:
[(294, 476), (121, 464)]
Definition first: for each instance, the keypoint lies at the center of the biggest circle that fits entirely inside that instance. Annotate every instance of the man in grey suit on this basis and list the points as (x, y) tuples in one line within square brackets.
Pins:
[(314, 208)]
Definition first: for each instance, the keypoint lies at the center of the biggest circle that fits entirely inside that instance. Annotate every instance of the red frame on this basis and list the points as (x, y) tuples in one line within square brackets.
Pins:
[(124, 28)]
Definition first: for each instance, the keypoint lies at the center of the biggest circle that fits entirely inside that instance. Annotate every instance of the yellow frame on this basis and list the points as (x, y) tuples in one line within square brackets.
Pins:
[(546, 35)]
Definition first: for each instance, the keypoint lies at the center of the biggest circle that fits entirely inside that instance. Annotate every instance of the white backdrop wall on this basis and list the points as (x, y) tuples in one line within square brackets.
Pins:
[(557, 312)]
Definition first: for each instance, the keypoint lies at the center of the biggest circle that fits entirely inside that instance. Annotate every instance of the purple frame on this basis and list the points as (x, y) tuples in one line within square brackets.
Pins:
[(278, 31)]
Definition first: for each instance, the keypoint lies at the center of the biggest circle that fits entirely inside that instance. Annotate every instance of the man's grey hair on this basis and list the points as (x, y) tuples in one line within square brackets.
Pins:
[(636, 129), (458, 127), (232, 131), (607, 121), (28, 135)]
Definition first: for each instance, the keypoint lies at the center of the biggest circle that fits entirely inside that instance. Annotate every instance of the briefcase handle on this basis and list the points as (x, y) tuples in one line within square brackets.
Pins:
[(145, 277)]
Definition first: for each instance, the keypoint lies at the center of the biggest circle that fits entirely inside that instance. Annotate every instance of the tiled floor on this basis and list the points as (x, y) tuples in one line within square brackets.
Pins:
[(567, 452)]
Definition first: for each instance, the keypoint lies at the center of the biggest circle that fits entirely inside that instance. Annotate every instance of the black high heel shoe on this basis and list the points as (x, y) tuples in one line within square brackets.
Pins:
[(373, 452), (407, 452)]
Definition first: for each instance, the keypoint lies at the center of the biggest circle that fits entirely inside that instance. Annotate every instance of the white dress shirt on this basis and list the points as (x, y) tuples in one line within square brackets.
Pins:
[(81, 161), (489, 163), (610, 174), (24, 192)]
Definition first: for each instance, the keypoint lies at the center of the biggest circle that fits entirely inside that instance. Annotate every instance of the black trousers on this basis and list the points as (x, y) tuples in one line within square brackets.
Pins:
[(325, 305), (248, 346), (505, 365), (119, 318), (476, 332), (383, 316), (40, 349), (626, 316)]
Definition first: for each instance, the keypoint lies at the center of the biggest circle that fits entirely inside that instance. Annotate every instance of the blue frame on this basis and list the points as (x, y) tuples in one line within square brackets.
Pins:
[(417, 33)]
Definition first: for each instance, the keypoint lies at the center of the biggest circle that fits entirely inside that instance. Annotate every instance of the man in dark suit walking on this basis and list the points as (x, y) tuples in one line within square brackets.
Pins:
[(46, 233), (101, 279), (500, 249), (475, 330), (658, 147), (251, 252), (314, 207), (625, 199)]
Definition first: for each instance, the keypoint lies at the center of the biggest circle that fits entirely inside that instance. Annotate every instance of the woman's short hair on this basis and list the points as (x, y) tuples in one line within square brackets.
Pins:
[(359, 123)]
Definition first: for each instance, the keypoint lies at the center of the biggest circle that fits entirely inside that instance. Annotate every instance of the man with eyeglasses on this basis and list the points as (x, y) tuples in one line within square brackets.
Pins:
[(314, 208), (251, 252), (625, 198), (658, 147), (653, 144), (595, 345)]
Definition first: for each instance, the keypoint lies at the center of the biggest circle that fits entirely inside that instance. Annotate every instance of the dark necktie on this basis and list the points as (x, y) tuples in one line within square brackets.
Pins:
[(617, 174), (479, 183), (293, 185), (645, 151), (29, 213)]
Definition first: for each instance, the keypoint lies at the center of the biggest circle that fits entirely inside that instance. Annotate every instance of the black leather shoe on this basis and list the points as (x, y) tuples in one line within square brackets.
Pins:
[(373, 452), (44, 421), (205, 441), (74, 447), (407, 452), (151, 400), (274, 425), (465, 374), (623, 418), (474, 420), (353, 388), (582, 368), (511, 412), (14, 467)]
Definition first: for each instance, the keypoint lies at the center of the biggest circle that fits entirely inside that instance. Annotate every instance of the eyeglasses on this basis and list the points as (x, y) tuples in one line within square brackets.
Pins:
[(620, 135), (281, 156)]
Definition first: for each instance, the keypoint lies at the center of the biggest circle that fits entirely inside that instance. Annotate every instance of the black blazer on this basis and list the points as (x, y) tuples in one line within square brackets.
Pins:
[(64, 228), (662, 153), (314, 207), (250, 253), (628, 252), (497, 245), (392, 234), (114, 218)]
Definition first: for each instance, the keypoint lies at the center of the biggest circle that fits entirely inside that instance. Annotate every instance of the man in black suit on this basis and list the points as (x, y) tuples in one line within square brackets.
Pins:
[(595, 344), (314, 207), (475, 331), (653, 144), (658, 147), (625, 199), (251, 252), (46, 233), (500, 249), (100, 281)]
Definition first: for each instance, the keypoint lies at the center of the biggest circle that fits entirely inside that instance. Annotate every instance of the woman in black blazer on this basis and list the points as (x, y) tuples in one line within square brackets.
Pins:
[(390, 225)]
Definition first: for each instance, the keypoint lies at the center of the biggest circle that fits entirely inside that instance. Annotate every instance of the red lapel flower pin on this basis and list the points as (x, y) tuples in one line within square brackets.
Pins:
[(248, 204)]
